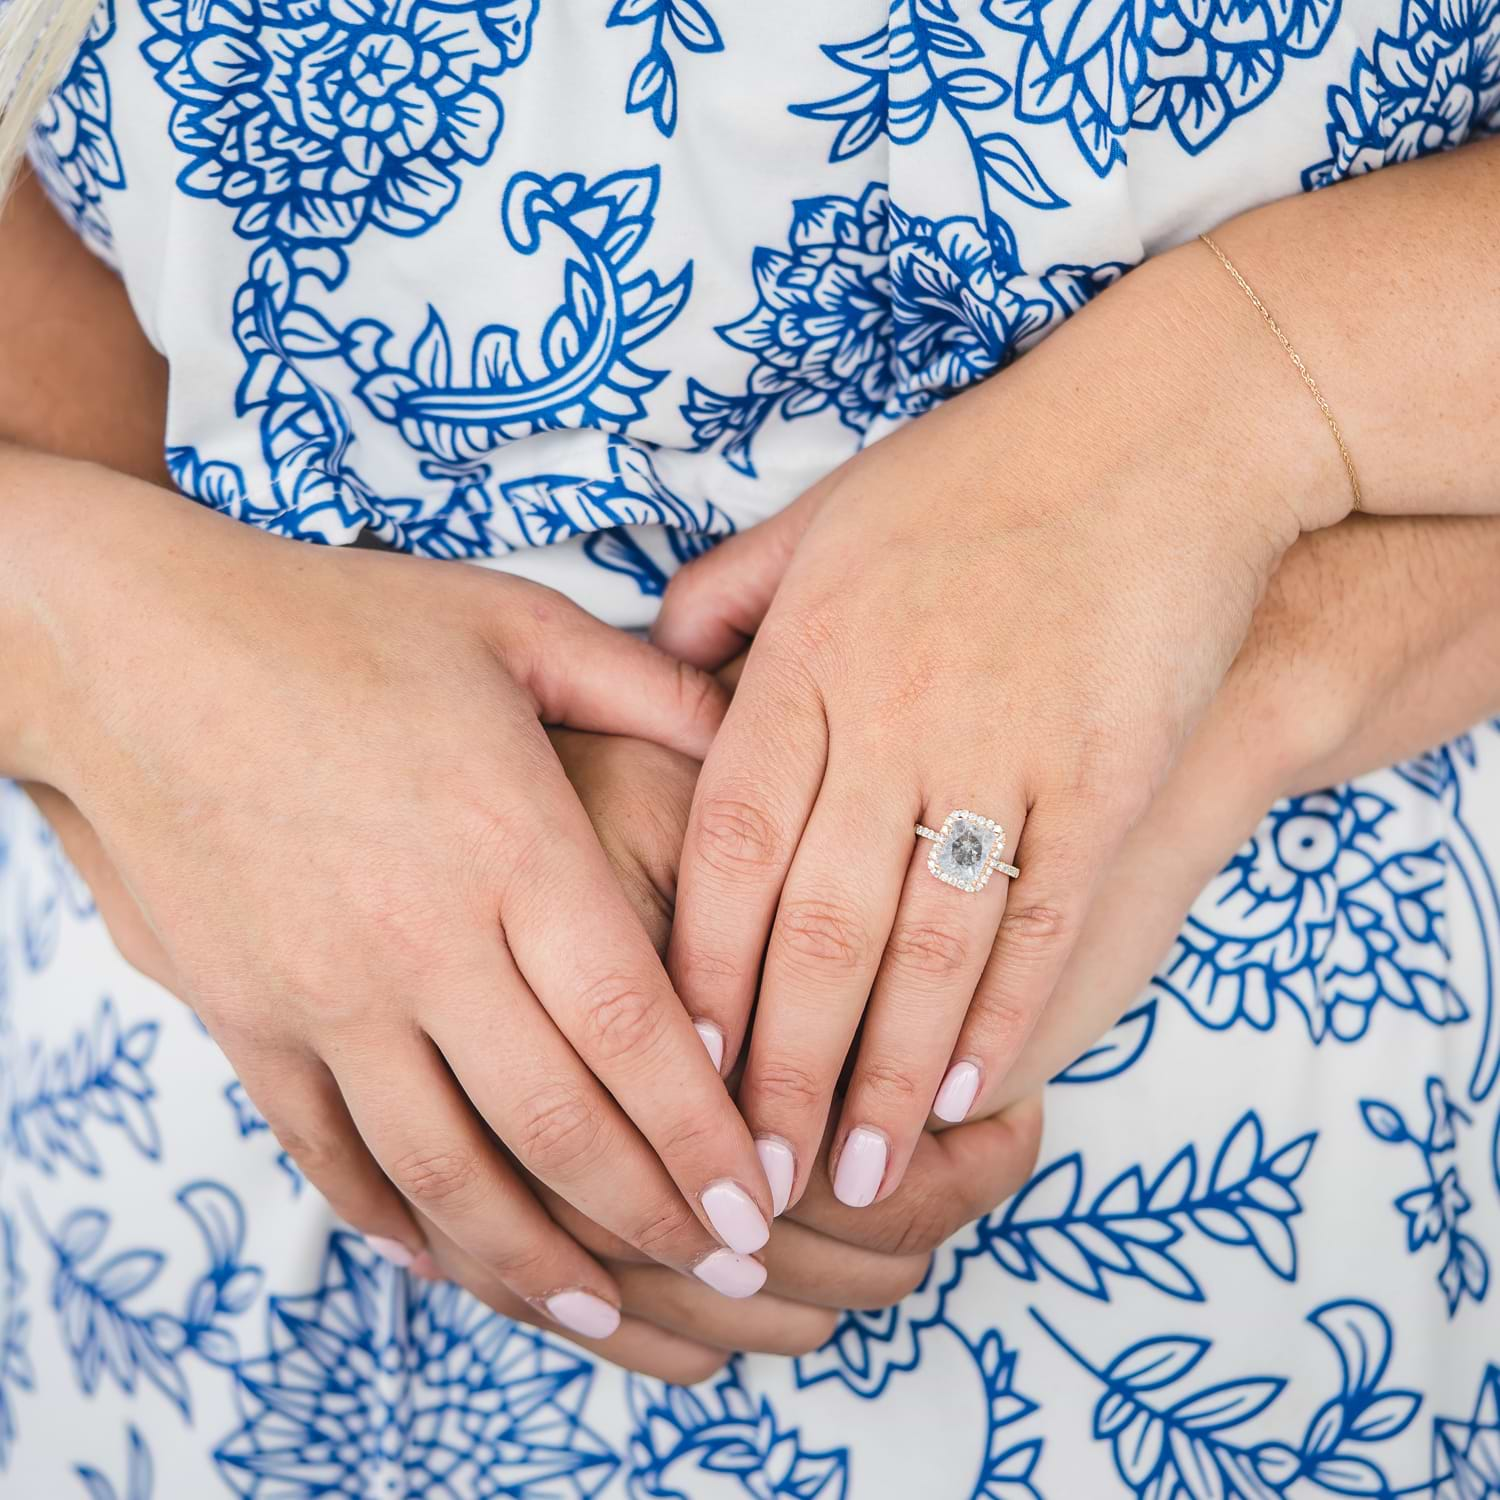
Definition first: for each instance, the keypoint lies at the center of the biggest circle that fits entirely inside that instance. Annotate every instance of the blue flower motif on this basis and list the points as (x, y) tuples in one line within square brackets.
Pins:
[(375, 1384), (1319, 911), (15, 1363), (653, 83), (1427, 87), (874, 312), (1106, 67), (72, 145), (683, 1436), (820, 331), (314, 121), (1470, 1449), (1433, 1210), (958, 313)]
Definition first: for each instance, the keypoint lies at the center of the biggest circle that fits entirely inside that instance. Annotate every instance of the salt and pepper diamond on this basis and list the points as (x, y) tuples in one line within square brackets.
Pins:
[(967, 850)]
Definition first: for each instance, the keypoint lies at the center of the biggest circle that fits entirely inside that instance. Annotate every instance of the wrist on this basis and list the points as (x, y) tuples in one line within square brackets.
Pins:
[(66, 605)]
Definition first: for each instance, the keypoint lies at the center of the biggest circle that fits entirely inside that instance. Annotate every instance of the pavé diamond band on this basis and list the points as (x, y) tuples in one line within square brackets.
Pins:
[(968, 850)]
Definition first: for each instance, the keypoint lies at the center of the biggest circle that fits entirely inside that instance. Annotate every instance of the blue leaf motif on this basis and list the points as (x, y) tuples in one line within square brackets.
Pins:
[(1006, 160)]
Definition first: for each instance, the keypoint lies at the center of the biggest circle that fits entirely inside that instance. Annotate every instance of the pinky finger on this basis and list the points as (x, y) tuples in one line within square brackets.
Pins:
[(302, 1104), (1044, 910), (636, 1344)]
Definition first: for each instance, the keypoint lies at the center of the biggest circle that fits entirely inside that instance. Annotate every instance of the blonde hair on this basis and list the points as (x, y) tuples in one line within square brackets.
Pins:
[(38, 40)]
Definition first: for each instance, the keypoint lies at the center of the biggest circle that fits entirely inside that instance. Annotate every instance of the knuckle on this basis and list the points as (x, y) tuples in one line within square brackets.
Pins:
[(899, 1276), (786, 1087), (701, 969), (737, 836), (663, 1230), (893, 1086), (558, 1131), (1034, 929), (691, 1369), (698, 694), (436, 1177), (936, 950), (822, 934), (814, 1327), (929, 1221), (316, 1155), (521, 1264), (620, 1017), (998, 1022)]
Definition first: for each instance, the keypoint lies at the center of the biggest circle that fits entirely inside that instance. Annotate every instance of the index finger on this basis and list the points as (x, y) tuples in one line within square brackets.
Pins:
[(589, 962), (754, 794)]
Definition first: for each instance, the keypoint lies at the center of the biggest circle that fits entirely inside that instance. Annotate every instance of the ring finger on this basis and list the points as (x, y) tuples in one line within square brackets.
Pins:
[(945, 926)]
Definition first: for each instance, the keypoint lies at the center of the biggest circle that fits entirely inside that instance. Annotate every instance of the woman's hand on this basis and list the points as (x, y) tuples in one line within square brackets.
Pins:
[(1054, 572), (322, 776)]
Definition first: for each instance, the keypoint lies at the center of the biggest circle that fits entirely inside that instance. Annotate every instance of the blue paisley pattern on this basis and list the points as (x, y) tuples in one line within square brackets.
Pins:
[(501, 283)]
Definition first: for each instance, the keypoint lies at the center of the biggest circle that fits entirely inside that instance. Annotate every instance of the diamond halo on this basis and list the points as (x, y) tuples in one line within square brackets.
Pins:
[(966, 850)]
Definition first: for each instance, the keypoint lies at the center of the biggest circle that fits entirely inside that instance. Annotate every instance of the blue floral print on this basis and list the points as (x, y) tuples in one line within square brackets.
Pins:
[(1433, 1210), (313, 122), (496, 282), (73, 147)]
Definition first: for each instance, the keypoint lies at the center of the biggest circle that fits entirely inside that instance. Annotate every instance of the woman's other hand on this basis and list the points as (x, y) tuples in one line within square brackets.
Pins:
[(322, 776)]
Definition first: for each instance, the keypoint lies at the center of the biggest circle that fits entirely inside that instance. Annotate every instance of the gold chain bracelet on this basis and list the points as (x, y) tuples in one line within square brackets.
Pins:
[(1296, 359)]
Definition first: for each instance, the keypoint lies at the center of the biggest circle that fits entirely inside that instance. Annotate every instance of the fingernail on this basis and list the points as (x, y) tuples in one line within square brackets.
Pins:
[(713, 1039), (780, 1167), (731, 1275), (956, 1097), (736, 1219), (391, 1250), (861, 1166), (584, 1313)]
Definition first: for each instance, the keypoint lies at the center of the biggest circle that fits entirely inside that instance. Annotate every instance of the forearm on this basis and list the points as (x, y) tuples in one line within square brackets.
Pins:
[(78, 377), (1387, 285)]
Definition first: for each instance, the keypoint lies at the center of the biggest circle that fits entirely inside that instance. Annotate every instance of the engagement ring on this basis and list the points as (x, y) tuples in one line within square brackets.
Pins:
[(968, 850)]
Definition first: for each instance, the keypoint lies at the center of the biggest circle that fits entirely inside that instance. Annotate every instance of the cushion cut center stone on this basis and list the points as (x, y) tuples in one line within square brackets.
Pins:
[(968, 851), (964, 850)]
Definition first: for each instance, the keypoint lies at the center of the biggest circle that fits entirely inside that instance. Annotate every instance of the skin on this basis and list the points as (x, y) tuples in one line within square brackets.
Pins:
[(1400, 560), (1038, 638)]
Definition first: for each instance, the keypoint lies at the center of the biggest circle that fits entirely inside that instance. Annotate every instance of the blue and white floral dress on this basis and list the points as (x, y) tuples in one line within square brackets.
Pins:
[(573, 288)]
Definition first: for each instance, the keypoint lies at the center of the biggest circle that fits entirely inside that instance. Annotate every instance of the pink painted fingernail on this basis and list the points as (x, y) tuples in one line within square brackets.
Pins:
[(391, 1250), (956, 1097), (736, 1219), (780, 1167), (584, 1313), (713, 1039), (861, 1166), (731, 1275)]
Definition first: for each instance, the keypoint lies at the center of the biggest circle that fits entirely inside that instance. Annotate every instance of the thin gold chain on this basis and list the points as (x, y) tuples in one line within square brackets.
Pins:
[(1296, 359)]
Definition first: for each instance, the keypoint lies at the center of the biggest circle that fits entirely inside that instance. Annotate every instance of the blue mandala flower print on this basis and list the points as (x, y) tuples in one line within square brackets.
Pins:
[(820, 331), (726, 1444), (73, 147), (314, 121), (1426, 88), (375, 1384), (15, 1362), (1469, 1449), (1433, 1209), (1106, 67), (1321, 912)]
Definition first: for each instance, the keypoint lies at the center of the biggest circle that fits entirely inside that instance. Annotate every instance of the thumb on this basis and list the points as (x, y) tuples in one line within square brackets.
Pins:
[(585, 674), (715, 604)]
